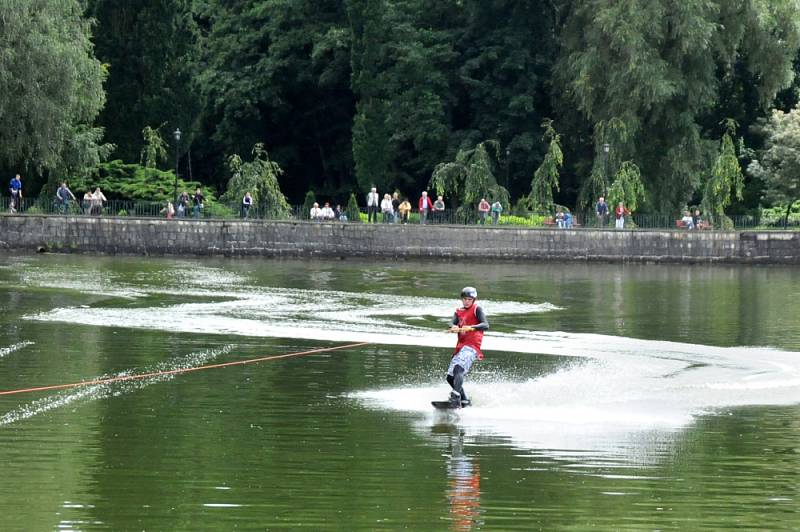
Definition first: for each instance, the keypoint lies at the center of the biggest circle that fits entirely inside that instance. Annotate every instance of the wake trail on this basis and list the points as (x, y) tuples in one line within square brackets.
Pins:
[(5, 351), (102, 391)]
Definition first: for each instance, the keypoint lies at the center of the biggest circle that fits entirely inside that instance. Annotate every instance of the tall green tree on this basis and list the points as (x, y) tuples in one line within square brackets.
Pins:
[(150, 48), (545, 179), (279, 72), (505, 53), (371, 147), (778, 164), (403, 65), (51, 88), (657, 66)]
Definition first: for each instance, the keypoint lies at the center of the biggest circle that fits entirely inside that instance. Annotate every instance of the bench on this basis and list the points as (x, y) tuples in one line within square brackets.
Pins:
[(680, 224), (551, 222)]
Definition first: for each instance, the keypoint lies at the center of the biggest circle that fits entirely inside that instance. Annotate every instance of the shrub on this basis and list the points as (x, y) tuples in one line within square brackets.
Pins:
[(774, 216), (520, 208), (132, 181), (533, 220), (308, 203), (352, 210), (219, 210)]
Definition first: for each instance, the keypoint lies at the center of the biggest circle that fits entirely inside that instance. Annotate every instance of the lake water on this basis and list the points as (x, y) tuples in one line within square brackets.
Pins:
[(611, 397)]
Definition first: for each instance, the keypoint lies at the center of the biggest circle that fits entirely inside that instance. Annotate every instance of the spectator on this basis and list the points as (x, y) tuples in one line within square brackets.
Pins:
[(340, 214), (619, 213), (697, 220), (568, 220), (326, 213), (687, 220), (601, 212), (63, 197), (560, 218), (497, 210), (405, 209), (395, 206), (15, 187), (483, 210), (183, 204), (169, 210), (247, 202), (438, 210), (86, 203), (315, 213), (425, 206), (198, 199), (98, 199), (386, 208), (373, 202)]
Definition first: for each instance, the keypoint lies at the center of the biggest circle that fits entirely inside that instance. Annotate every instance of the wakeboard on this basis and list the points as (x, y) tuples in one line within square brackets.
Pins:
[(445, 405)]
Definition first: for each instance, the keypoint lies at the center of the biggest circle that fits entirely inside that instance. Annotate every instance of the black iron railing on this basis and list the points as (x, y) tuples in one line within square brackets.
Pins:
[(462, 216)]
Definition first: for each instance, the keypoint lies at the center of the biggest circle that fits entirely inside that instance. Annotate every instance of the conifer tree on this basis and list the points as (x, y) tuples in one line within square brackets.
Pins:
[(259, 177), (545, 179), (470, 177), (726, 179)]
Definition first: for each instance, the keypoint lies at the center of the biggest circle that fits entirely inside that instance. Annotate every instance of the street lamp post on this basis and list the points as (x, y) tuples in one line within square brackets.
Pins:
[(508, 164), (606, 149), (177, 135)]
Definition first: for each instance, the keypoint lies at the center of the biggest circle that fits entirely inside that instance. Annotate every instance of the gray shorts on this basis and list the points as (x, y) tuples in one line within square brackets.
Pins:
[(464, 358)]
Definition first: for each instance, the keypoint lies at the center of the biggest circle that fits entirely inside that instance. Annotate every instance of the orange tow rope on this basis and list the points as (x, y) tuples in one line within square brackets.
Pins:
[(176, 371)]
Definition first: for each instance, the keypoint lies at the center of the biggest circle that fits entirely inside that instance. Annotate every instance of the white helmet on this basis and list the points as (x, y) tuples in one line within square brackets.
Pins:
[(469, 291)]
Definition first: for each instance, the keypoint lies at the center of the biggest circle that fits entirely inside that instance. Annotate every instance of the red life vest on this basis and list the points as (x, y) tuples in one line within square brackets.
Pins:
[(468, 318)]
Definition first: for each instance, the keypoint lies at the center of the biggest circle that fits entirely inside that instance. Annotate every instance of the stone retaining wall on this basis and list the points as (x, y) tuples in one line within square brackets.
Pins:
[(147, 236)]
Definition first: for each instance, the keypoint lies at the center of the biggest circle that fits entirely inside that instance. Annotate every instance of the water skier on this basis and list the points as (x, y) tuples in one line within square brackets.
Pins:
[(469, 322)]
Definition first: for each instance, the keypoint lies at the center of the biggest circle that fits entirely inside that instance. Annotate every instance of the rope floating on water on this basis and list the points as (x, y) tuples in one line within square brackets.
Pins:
[(177, 371)]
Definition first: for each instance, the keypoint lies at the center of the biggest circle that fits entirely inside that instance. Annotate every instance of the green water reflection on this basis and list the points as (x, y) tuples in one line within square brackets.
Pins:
[(290, 445)]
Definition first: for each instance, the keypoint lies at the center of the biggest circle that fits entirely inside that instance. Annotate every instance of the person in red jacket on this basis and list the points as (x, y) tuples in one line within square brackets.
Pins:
[(425, 206), (469, 322), (620, 212)]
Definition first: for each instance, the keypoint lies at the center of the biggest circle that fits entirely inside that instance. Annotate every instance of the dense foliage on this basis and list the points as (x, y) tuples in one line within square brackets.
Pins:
[(779, 163), (50, 90), (403, 94), (259, 177), (545, 178), (119, 180), (726, 179)]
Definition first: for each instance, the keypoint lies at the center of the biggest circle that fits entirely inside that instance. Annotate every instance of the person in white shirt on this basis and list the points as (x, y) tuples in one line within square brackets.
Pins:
[(687, 220), (98, 199), (247, 202), (387, 209), (315, 213), (327, 213), (373, 202)]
